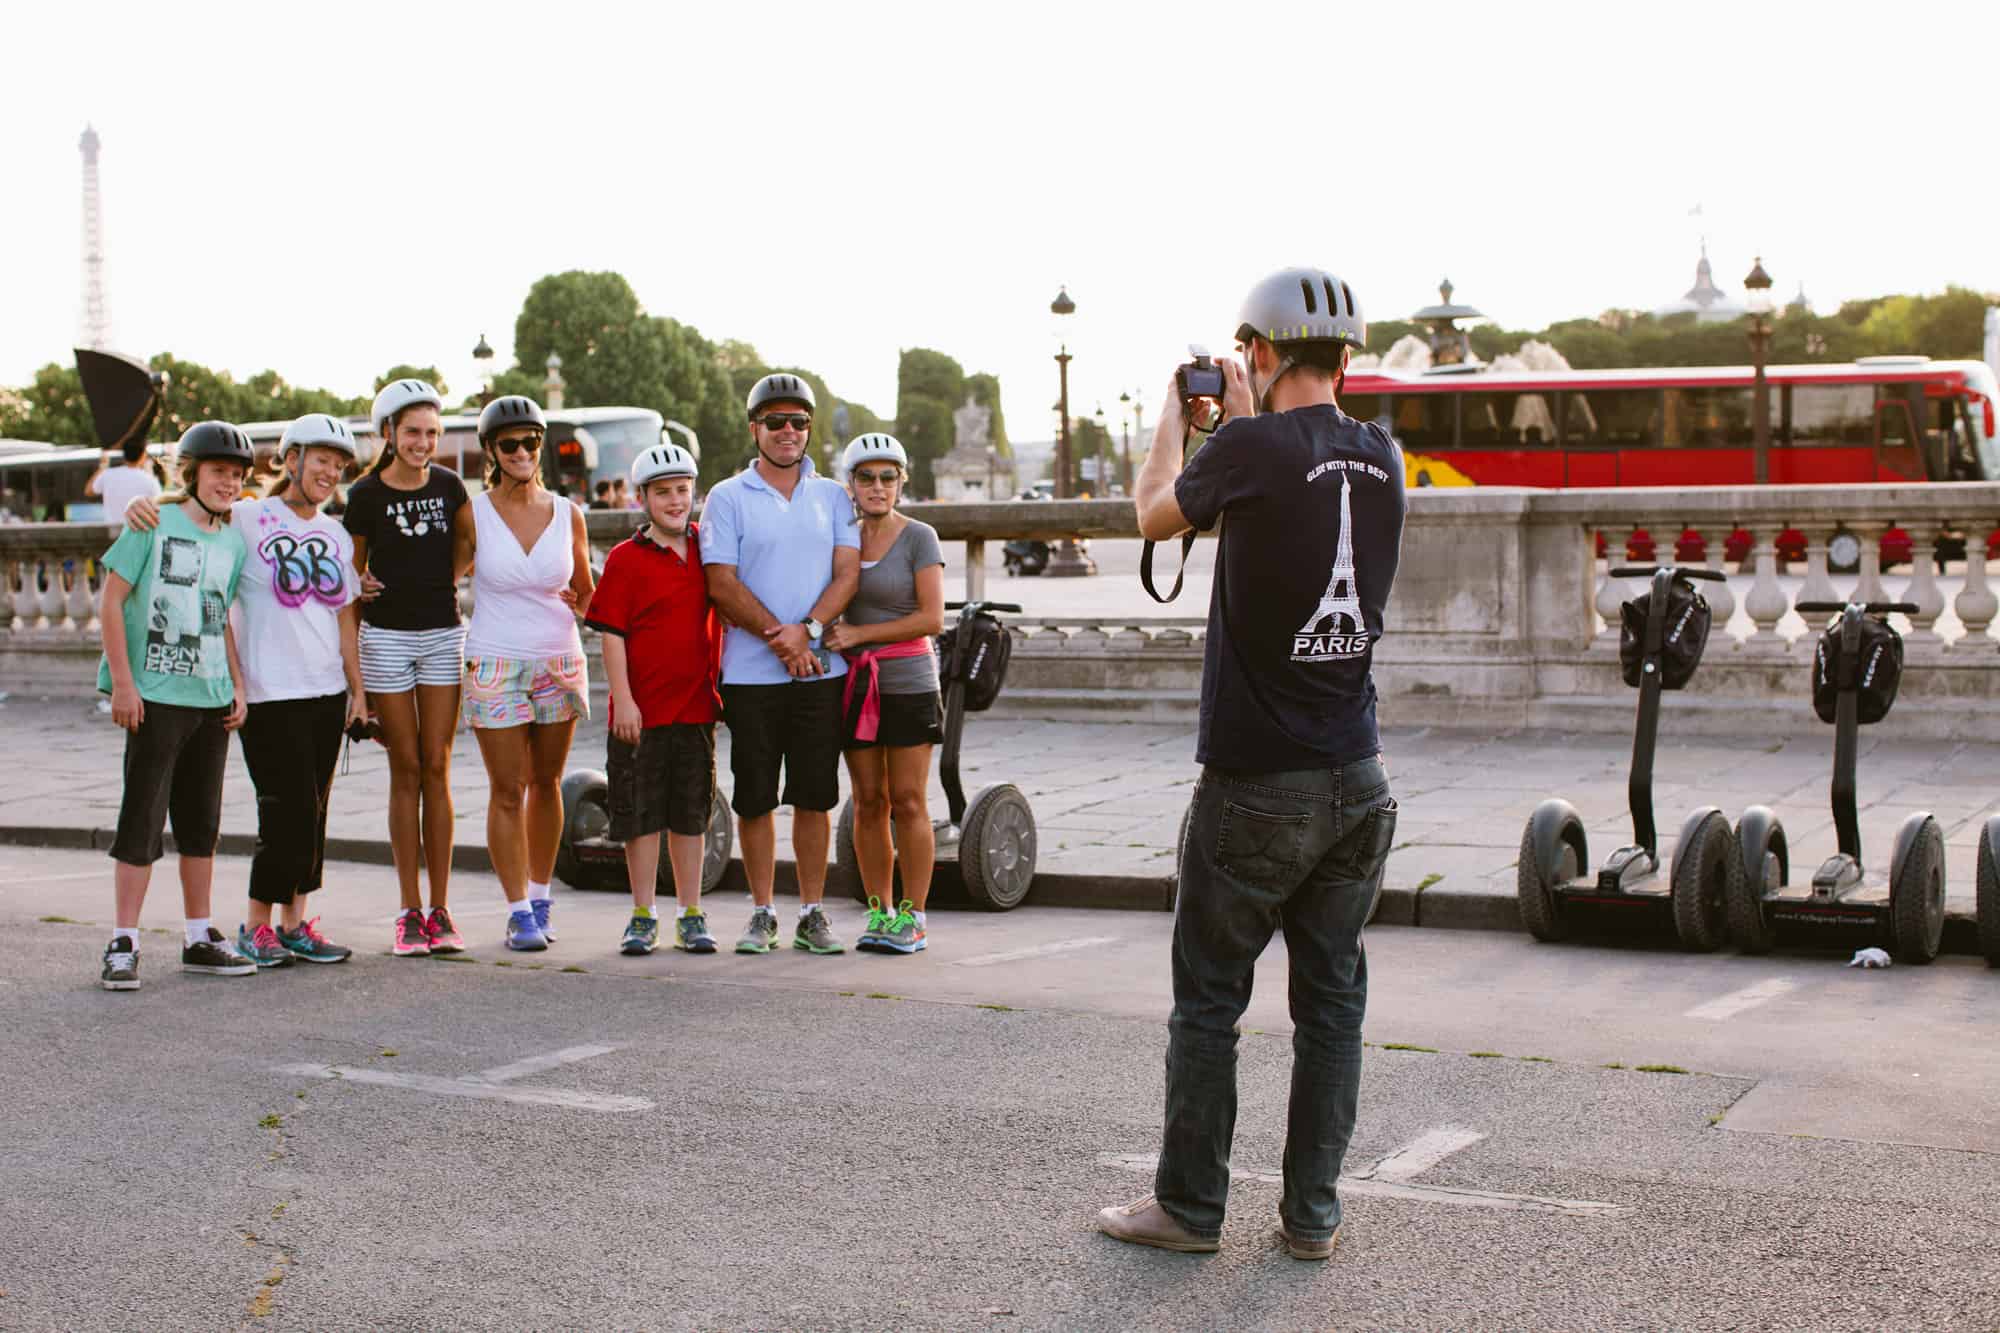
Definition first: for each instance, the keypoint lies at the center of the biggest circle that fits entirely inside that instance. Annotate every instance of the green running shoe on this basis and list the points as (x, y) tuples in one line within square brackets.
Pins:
[(870, 939), (761, 934), (905, 934), (642, 935), (815, 933)]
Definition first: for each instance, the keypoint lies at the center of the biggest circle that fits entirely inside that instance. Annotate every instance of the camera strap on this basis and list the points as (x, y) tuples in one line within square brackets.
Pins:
[(1187, 544)]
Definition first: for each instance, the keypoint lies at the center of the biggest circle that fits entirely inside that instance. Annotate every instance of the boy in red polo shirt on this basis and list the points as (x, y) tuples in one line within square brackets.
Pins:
[(662, 647)]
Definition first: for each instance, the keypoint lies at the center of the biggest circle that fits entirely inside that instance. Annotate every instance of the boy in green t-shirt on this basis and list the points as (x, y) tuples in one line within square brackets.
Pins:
[(175, 681)]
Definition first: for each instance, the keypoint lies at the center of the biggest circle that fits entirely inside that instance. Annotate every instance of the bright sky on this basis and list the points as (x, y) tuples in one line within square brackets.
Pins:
[(330, 191)]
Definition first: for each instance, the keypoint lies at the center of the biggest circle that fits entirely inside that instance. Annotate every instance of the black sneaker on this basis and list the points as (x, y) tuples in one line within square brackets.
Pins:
[(121, 964), (216, 957)]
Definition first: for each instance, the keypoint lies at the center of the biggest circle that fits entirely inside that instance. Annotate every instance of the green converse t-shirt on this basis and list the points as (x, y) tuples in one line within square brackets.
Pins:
[(183, 582)]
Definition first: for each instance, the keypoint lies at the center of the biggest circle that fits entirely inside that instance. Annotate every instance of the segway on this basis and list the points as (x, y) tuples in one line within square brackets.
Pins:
[(589, 858), (1661, 641), (1855, 672), (1989, 891), (993, 837)]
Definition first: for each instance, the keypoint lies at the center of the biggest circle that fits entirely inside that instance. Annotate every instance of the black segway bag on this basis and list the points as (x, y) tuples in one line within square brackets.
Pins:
[(1685, 636), (1873, 670), (976, 654)]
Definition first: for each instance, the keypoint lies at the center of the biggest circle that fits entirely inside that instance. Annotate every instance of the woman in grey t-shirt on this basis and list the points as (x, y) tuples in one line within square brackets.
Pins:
[(892, 710)]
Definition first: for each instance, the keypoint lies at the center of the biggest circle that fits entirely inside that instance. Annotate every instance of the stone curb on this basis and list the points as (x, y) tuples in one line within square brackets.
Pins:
[(1134, 893)]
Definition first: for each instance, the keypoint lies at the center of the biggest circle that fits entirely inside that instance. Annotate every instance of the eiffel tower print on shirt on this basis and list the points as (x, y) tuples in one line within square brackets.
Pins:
[(1335, 631)]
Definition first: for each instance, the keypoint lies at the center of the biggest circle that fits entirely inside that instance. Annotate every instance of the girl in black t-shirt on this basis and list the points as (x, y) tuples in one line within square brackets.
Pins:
[(402, 516)]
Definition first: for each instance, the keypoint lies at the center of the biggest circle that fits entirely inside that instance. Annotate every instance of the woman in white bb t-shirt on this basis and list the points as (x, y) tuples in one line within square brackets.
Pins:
[(525, 685)]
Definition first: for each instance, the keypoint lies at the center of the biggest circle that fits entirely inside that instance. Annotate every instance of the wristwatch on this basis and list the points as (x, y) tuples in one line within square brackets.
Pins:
[(813, 628)]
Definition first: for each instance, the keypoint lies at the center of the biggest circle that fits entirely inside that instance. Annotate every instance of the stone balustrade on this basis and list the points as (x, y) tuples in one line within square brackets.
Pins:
[(1503, 615)]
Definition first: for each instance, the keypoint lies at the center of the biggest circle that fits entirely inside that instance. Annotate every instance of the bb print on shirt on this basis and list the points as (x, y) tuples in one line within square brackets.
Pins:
[(184, 624), (1335, 631), (304, 566)]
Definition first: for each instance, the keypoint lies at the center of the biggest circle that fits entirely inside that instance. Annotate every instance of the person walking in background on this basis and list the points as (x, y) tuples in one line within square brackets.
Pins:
[(176, 684), (891, 711), (1292, 818), (299, 628), (780, 551), (662, 646), (123, 479), (401, 516), (525, 686)]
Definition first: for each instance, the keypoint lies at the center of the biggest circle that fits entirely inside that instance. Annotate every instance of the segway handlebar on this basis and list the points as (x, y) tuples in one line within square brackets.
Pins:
[(1680, 572), (984, 606), (1872, 608)]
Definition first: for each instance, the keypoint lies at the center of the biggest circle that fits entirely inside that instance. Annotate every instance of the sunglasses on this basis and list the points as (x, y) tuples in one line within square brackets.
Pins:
[(777, 421), (518, 443), (876, 478)]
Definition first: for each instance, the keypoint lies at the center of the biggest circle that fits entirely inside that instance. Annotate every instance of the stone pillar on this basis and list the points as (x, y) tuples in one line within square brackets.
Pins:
[(1869, 588), (1922, 588), (1975, 604), (1818, 587), (1611, 593), (1766, 602), (1721, 597), (975, 569)]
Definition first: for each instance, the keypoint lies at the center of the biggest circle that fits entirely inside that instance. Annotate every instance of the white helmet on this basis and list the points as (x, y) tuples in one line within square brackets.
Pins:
[(874, 447), (318, 430), (397, 395), (662, 460)]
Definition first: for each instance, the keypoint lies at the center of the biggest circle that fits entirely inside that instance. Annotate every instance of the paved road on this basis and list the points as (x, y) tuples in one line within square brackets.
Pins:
[(865, 1142)]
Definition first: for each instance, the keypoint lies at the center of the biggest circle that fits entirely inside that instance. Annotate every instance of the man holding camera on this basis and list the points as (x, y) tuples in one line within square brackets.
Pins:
[(1292, 819)]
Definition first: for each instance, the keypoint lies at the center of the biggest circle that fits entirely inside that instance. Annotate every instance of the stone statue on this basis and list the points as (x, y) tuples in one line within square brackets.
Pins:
[(972, 426)]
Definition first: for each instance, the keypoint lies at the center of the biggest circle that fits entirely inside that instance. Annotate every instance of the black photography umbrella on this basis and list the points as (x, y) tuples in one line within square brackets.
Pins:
[(124, 398)]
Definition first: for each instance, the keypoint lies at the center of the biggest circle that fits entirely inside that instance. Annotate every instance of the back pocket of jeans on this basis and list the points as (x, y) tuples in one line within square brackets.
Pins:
[(1367, 848), (1259, 847)]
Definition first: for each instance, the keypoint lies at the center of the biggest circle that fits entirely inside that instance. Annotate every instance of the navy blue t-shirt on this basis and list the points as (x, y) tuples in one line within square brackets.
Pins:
[(1314, 502)]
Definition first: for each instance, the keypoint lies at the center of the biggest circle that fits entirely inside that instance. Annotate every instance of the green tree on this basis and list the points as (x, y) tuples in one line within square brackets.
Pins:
[(51, 409), (428, 374), (196, 393), (1087, 439), (930, 386)]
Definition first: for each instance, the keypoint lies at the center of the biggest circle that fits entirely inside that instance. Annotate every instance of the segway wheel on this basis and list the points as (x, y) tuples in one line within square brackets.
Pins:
[(718, 843), (996, 850), (1535, 882), (1764, 869), (1916, 897), (586, 798), (1989, 894), (846, 871), (1708, 875)]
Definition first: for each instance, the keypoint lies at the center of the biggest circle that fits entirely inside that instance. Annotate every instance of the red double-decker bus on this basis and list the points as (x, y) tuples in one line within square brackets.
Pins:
[(1879, 419)]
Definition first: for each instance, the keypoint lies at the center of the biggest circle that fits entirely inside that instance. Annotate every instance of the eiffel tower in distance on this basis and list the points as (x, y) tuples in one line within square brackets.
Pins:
[(1342, 597)]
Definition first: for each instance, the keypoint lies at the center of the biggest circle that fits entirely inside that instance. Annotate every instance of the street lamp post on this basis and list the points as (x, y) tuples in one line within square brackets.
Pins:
[(1125, 410), (1067, 560), (1759, 286), (1101, 485), (482, 356)]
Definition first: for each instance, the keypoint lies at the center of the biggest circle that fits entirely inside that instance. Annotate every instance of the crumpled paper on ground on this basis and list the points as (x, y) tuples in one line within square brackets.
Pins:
[(1869, 958)]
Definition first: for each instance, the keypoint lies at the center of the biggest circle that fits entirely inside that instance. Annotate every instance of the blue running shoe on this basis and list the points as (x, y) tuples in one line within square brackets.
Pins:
[(642, 935), (870, 940), (523, 934), (542, 907), (905, 933), (691, 933)]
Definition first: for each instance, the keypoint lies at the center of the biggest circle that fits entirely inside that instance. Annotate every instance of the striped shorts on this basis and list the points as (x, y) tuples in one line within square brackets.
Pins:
[(394, 661)]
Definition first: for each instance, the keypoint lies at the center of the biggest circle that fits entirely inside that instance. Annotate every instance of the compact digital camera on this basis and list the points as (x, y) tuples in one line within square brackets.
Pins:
[(368, 730), (1199, 378)]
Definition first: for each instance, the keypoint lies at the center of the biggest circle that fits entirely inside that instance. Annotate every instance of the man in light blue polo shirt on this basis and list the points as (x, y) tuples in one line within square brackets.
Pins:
[(782, 555)]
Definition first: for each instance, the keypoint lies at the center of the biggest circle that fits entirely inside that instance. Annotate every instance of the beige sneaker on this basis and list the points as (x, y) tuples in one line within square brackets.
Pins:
[(1144, 1222), (1308, 1249)]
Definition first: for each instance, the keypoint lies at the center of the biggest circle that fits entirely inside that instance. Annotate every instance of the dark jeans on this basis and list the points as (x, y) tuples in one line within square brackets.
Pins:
[(1302, 851), (290, 747), (173, 769)]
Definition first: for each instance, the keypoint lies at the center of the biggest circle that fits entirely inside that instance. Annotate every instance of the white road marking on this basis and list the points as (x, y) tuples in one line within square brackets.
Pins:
[(22, 875), (536, 1064), (487, 1086), (1036, 951), (1390, 1178), (1421, 1154), (1734, 1003)]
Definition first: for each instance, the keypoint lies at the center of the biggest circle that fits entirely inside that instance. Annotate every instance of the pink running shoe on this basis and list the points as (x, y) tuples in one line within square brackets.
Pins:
[(443, 933), (412, 939)]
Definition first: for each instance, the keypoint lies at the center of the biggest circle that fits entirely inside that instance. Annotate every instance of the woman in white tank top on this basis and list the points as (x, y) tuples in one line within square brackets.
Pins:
[(525, 685)]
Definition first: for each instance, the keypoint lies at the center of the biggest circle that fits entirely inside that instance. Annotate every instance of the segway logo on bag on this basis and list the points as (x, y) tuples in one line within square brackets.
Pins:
[(1681, 624), (1335, 632)]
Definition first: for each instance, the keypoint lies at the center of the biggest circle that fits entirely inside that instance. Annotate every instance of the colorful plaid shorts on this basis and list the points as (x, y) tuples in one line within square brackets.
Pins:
[(515, 691)]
